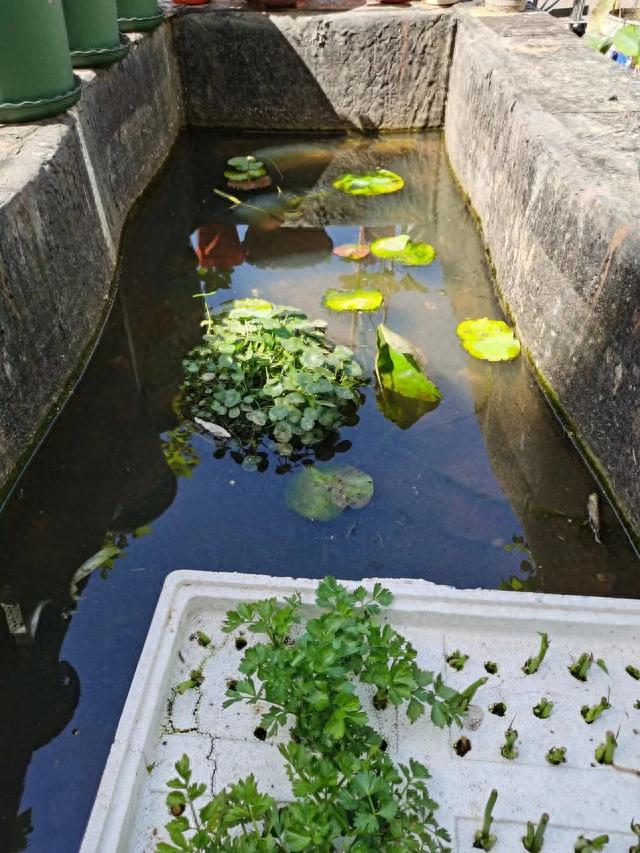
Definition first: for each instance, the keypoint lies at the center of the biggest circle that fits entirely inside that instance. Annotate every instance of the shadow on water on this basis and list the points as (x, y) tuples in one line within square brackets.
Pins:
[(482, 491)]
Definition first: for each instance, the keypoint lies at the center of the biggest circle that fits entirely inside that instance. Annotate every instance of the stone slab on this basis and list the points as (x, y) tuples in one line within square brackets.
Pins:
[(542, 133), (366, 68), (156, 727), (66, 187)]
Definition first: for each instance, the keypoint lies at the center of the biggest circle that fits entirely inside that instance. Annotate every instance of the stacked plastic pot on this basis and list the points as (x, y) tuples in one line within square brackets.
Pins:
[(41, 41)]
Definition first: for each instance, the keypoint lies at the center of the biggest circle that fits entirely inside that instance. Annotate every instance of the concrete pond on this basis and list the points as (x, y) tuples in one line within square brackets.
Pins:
[(517, 483)]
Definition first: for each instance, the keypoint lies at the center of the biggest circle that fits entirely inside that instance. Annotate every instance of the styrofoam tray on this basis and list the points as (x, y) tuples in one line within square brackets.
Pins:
[(157, 726)]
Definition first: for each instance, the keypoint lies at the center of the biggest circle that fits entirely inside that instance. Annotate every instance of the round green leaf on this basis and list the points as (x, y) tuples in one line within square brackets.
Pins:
[(353, 300), (376, 182), (401, 249), (388, 247), (322, 495), (490, 340)]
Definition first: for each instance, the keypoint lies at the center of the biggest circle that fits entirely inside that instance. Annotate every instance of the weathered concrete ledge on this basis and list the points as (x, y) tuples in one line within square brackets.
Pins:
[(365, 69), (66, 186), (542, 134)]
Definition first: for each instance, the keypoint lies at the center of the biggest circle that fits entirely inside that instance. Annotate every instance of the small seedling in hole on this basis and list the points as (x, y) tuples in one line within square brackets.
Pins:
[(543, 709), (483, 839), (195, 680), (591, 713), (636, 704), (633, 671), (534, 839), (241, 642), (580, 668), (457, 660), (509, 749), (465, 698), (498, 708), (462, 746), (557, 755), (533, 663), (605, 752), (183, 792), (492, 668), (232, 684), (635, 828), (203, 639), (260, 732), (591, 845)]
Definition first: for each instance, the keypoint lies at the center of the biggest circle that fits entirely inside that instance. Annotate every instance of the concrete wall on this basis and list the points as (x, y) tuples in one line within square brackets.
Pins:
[(542, 133), (367, 69), (66, 186)]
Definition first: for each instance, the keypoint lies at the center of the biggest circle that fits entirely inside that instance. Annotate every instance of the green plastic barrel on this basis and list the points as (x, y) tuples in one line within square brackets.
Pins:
[(136, 15), (94, 37), (36, 78)]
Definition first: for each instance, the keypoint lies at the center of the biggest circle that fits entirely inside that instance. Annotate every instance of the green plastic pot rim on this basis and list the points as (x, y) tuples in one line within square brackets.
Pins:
[(100, 56), (15, 111), (128, 25)]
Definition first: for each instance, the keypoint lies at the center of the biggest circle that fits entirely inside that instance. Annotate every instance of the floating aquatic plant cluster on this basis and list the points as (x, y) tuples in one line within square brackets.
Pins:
[(267, 370)]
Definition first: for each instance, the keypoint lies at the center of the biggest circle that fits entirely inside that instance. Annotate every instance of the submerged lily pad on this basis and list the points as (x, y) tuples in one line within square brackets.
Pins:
[(405, 391), (490, 340), (323, 494), (353, 300), (375, 182), (353, 251), (401, 249)]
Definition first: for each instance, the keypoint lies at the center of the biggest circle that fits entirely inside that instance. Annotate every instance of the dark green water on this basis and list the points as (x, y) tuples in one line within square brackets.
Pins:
[(483, 491)]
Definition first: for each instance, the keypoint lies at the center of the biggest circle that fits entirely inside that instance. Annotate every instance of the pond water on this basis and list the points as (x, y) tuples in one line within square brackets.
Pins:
[(484, 490)]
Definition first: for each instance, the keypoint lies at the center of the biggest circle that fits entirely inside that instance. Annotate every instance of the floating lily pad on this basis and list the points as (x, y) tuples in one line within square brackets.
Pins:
[(376, 182), (388, 247), (353, 300), (490, 340), (323, 494), (353, 251), (401, 249), (405, 392)]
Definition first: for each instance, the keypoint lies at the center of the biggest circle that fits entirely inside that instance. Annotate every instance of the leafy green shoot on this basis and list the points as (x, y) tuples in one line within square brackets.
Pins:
[(533, 841), (591, 845), (483, 838), (532, 665), (491, 667), (580, 668), (543, 709), (591, 713), (509, 750), (633, 671), (457, 660), (605, 752), (557, 755)]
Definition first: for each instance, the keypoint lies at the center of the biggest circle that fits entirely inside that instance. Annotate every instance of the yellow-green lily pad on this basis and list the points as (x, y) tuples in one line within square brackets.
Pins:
[(401, 249), (405, 392), (489, 340), (375, 182), (353, 300)]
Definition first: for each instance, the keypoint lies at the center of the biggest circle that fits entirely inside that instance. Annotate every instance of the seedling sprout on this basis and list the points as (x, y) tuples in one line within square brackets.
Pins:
[(591, 845), (533, 663), (543, 709), (557, 755), (457, 660), (484, 839), (534, 839), (509, 749), (605, 752), (580, 668), (591, 713)]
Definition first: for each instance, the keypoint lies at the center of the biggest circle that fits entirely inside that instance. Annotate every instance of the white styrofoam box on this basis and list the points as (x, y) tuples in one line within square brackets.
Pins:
[(157, 725)]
